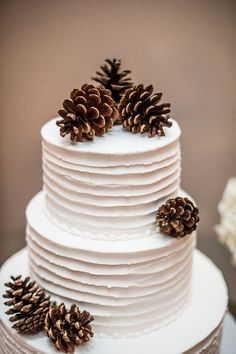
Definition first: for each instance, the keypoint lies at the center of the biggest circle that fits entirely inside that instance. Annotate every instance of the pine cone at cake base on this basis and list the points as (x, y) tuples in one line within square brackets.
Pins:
[(90, 111), (113, 78), (141, 112), (29, 305), (67, 329), (178, 217)]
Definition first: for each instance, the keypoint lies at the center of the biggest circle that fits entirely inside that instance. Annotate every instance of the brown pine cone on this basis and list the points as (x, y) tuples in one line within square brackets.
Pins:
[(67, 329), (178, 217), (29, 305), (90, 111), (113, 78), (140, 112)]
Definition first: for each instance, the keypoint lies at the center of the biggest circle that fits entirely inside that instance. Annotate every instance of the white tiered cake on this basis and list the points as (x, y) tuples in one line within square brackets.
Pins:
[(92, 239)]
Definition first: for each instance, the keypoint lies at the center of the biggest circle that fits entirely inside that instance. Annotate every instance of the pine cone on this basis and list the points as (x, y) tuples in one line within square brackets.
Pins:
[(113, 78), (90, 111), (140, 111), (28, 305), (66, 329), (178, 217)]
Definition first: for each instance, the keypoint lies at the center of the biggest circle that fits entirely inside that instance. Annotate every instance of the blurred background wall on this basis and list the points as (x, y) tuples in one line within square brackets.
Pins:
[(185, 48)]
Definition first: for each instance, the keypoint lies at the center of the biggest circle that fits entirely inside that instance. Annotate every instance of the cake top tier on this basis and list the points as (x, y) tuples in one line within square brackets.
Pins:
[(109, 188), (116, 142)]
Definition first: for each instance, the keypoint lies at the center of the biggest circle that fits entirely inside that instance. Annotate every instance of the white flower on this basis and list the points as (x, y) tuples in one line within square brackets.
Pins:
[(226, 230), (228, 202)]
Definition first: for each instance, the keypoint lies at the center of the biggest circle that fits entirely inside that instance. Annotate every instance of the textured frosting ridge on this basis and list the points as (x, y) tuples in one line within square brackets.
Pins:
[(199, 336), (111, 186), (10, 345), (127, 285), (92, 239), (129, 276)]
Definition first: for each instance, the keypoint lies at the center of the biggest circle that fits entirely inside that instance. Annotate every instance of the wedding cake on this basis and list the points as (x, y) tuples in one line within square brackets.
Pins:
[(98, 236)]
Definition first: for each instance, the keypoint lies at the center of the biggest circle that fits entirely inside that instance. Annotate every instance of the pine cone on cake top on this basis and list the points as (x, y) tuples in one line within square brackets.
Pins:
[(28, 303), (67, 329), (90, 111), (113, 78), (178, 217), (141, 112)]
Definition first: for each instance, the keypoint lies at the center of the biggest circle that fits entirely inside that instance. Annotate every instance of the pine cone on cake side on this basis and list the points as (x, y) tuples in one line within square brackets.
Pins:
[(178, 217), (113, 78), (90, 111), (67, 329), (141, 112), (28, 303)]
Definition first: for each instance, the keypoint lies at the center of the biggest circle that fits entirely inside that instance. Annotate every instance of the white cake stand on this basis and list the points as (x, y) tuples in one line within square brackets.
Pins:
[(201, 317)]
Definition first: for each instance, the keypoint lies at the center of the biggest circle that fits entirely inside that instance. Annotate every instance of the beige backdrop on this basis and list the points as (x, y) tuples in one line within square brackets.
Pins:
[(185, 48)]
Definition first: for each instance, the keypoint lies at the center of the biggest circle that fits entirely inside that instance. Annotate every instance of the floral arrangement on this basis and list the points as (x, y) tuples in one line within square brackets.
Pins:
[(226, 230)]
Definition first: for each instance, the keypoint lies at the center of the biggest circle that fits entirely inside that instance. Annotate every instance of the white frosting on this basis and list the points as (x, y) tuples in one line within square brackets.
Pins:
[(129, 276), (92, 240), (129, 286), (196, 330), (112, 185)]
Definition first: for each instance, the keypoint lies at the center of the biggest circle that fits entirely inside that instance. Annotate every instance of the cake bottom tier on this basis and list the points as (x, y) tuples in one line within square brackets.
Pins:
[(197, 330)]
